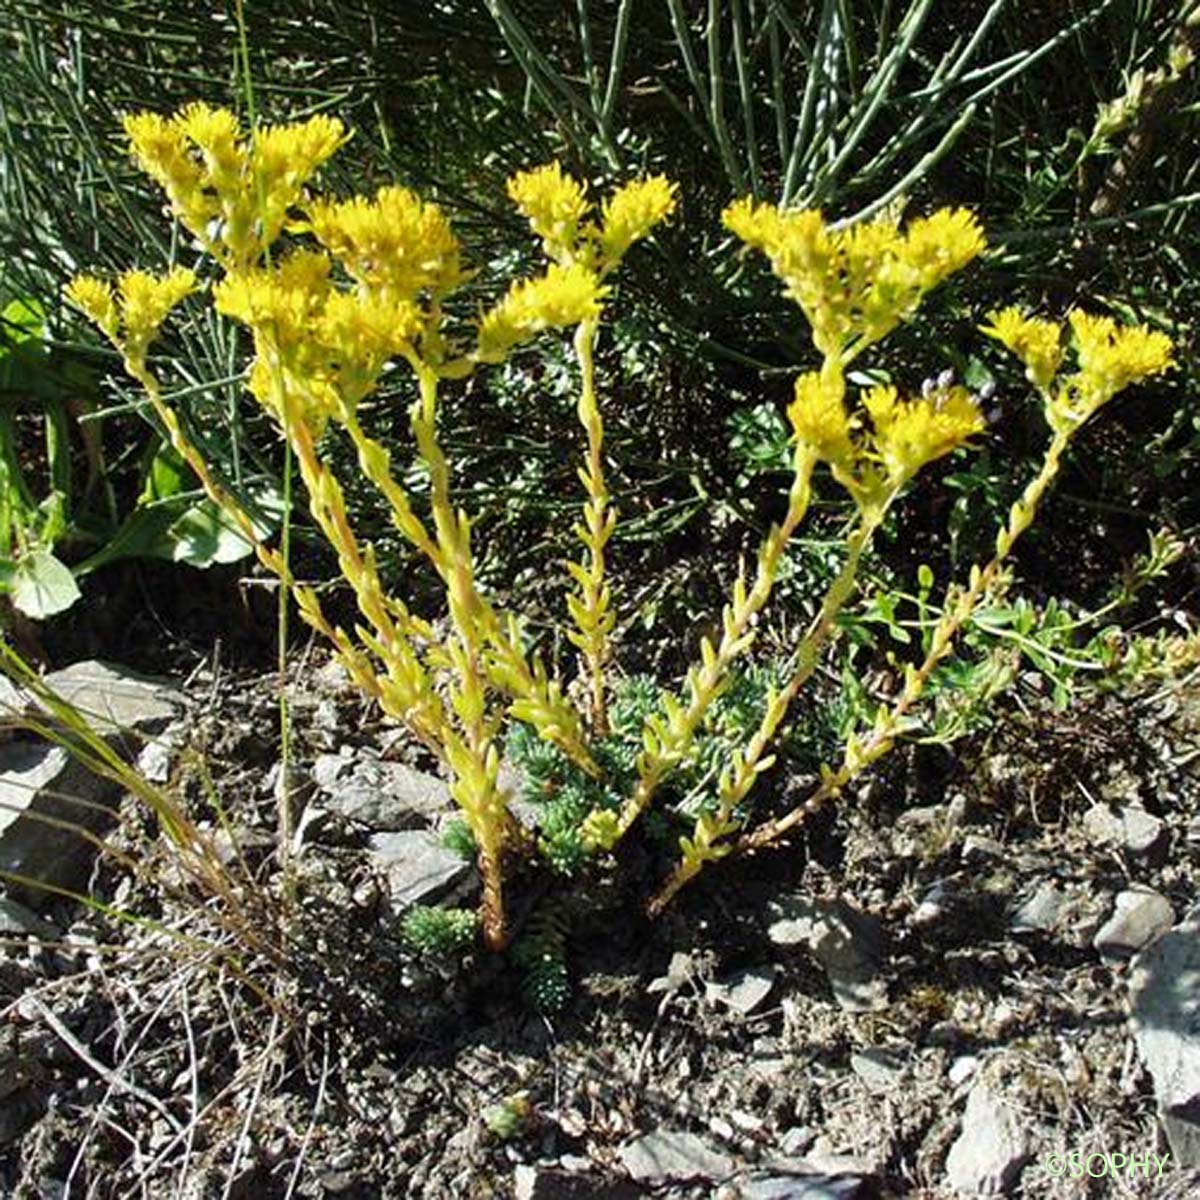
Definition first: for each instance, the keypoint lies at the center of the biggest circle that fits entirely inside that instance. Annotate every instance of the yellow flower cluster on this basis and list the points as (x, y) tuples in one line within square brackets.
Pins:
[(554, 204), (630, 213), (564, 296), (322, 346), (233, 193), (1110, 357), (855, 285), (132, 315), (1037, 343), (904, 435), (581, 253), (396, 243), (908, 434)]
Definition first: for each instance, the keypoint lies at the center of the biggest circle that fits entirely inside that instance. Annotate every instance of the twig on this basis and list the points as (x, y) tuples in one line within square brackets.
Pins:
[(106, 1073)]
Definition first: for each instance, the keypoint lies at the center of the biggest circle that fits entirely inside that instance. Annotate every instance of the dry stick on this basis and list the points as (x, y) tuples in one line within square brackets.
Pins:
[(106, 1073), (956, 612), (1160, 90)]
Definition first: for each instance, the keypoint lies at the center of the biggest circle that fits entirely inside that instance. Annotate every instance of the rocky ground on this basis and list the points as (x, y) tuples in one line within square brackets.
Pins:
[(980, 975)]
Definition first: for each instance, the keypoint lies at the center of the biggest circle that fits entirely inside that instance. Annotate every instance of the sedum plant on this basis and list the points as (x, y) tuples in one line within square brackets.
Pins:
[(334, 293)]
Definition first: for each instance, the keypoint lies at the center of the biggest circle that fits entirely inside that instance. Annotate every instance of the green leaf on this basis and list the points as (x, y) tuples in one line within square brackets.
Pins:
[(184, 528), (41, 585)]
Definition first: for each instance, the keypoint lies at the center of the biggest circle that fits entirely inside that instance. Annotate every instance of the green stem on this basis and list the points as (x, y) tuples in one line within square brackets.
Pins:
[(667, 742), (956, 612)]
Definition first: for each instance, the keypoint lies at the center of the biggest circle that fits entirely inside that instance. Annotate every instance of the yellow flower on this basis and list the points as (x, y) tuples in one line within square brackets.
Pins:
[(1112, 357), (160, 149), (364, 331), (131, 316), (283, 158), (283, 302), (631, 212), (819, 418), (94, 298), (564, 296), (1037, 343), (216, 133), (942, 243), (147, 299), (855, 285), (908, 434), (395, 242), (554, 204), (233, 194)]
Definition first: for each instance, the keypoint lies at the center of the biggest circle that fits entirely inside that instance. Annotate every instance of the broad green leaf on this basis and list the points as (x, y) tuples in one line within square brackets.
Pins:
[(42, 586)]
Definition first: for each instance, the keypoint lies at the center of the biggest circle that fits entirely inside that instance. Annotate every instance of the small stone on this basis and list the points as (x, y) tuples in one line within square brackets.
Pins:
[(1164, 990), (978, 849), (1039, 912), (1146, 836), (1140, 916), (962, 1068), (847, 943), (795, 1140), (18, 921), (39, 780), (680, 970), (958, 811), (795, 1180), (939, 904), (547, 1183), (1137, 832), (419, 869), (721, 1128), (332, 679), (991, 1150), (744, 991), (878, 1067), (115, 699), (381, 795), (154, 760), (665, 1155)]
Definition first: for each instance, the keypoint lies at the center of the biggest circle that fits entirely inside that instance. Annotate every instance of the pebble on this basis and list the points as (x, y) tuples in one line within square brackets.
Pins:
[(1140, 915), (991, 1149)]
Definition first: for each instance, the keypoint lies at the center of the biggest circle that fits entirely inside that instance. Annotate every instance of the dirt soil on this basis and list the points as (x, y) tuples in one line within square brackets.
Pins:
[(705, 1053)]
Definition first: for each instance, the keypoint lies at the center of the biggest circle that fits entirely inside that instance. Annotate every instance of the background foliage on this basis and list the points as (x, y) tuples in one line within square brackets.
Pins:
[(995, 104)]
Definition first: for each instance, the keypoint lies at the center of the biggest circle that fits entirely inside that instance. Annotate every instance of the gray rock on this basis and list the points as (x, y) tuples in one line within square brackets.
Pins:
[(663, 1155), (44, 795), (115, 699), (418, 868), (546, 1183), (943, 902), (1137, 832), (381, 795), (962, 1068), (878, 1067), (847, 943), (978, 849), (989, 1153), (1165, 1013), (154, 760), (16, 921), (794, 1180), (743, 991), (1041, 911), (1140, 916)]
